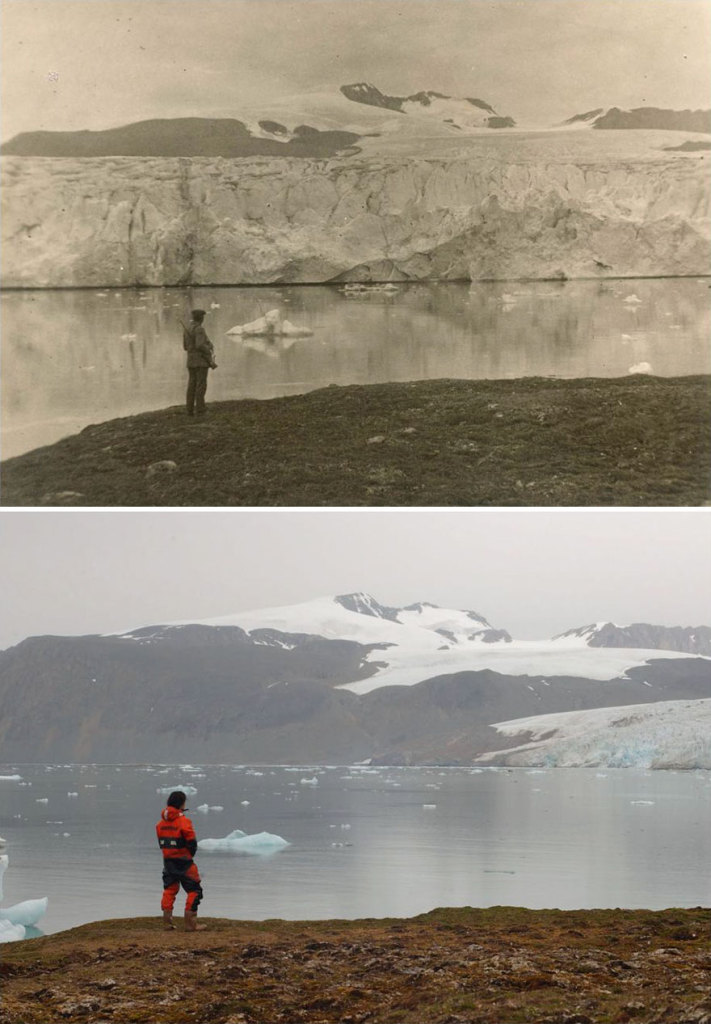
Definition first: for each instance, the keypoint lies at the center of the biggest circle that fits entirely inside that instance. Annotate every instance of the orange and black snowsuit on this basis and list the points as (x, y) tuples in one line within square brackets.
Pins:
[(176, 838)]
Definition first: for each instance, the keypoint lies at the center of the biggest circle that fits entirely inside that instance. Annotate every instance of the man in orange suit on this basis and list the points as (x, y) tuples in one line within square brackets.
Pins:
[(176, 838)]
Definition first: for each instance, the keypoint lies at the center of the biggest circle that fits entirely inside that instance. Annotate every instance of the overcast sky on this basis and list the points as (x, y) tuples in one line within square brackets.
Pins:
[(534, 572), (70, 64)]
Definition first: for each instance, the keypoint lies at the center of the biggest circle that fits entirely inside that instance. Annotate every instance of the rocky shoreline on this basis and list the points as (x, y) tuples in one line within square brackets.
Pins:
[(450, 966), (637, 440)]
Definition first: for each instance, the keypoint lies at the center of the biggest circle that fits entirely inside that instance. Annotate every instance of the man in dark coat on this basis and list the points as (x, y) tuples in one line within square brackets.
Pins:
[(201, 358)]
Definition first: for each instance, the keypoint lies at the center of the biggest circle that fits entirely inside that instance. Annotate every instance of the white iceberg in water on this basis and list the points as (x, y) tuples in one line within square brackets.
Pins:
[(26, 913), (240, 842), (270, 324), (188, 790), (14, 920), (11, 932)]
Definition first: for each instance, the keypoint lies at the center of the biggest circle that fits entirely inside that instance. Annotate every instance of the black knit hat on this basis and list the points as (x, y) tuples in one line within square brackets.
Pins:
[(197, 314)]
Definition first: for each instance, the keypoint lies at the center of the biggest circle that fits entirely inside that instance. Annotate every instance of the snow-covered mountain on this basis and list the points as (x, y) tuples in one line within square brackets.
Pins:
[(690, 639), (405, 646), (654, 118), (668, 734), (464, 114), (336, 679)]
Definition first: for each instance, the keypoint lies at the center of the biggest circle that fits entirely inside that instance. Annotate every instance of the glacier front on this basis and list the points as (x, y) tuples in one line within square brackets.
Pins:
[(668, 734), (535, 204)]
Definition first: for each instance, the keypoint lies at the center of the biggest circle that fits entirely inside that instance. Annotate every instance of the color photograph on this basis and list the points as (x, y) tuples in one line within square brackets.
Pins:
[(397, 765)]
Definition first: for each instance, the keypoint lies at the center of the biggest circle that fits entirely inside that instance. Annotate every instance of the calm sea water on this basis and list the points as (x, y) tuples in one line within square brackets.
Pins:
[(70, 358), (363, 842)]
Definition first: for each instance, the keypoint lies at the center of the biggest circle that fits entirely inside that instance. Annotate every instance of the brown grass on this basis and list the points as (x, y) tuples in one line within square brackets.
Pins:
[(484, 966), (629, 441)]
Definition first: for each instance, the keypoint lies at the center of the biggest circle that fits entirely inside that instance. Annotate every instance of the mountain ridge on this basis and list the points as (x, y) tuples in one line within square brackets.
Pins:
[(384, 683)]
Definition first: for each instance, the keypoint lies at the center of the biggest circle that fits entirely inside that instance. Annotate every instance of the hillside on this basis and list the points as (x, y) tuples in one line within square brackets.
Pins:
[(184, 137), (449, 965), (649, 118), (335, 680)]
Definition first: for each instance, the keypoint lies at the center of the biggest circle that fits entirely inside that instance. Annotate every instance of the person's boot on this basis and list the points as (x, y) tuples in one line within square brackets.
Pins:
[(168, 921), (191, 924)]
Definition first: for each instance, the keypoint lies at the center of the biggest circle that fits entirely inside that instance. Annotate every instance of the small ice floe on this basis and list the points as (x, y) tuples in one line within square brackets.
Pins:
[(429, 807), (10, 778), (272, 325), (214, 305), (11, 932), (642, 803), (101, 295), (239, 842), (309, 782), (128, 337), (358, 288), (632, 300), (42, 800), (188, 790), (203, 808), (244, 803), (640, 368), (26, 913)]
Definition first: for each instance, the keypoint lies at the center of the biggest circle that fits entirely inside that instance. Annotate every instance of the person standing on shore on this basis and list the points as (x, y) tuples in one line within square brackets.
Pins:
[(201, 358), (176, 838)]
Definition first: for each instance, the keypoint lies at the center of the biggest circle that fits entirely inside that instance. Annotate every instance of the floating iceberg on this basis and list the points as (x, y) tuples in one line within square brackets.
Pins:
[(11, 932), (188, 790), (14, 920), (240, 842), (26, 913), (10, 778), (309, 782), (271, 324)]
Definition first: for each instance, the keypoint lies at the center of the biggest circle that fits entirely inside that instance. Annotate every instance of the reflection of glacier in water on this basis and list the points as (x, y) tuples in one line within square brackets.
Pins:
[(364, 842), (76, 357)]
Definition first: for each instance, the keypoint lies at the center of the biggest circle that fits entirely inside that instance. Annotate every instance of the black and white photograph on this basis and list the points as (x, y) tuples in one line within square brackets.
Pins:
[(356, 252), (355, 539)]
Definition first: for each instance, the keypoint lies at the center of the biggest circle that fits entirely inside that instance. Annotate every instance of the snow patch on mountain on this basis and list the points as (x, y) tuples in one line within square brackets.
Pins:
[(407, 667), (667, 734), (412, 644), (461, 113)]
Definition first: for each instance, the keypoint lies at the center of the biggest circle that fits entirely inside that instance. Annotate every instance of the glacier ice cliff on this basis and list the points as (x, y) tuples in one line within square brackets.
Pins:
[(668, 734), (548, 206)]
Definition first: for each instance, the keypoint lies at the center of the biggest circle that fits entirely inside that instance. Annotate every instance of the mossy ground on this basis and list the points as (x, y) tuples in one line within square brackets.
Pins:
[(500, 965), (629, 441)]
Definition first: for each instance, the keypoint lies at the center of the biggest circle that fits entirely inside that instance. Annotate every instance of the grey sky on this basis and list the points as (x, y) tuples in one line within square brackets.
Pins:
[(70, 64), (534, 572)]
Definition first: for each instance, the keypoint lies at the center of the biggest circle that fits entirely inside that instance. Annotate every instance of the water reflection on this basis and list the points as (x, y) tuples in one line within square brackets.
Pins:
[(76, 357)]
